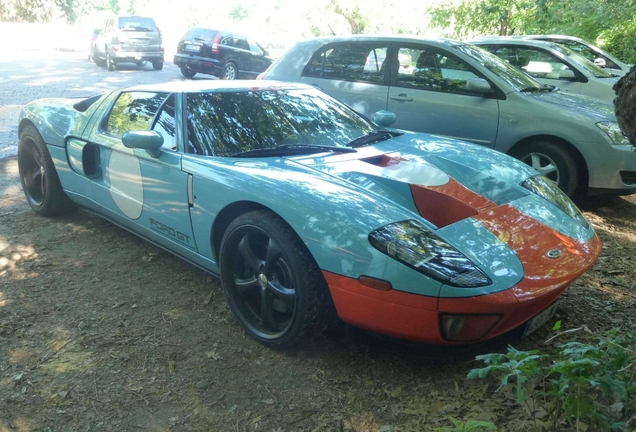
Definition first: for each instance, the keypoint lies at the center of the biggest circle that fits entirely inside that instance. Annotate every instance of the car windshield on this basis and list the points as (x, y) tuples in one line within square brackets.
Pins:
[(514, 77), (583, 63), (229, 123)]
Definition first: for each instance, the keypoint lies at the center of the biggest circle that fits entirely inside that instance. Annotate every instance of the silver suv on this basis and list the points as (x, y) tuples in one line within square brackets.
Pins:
[(133, 39)]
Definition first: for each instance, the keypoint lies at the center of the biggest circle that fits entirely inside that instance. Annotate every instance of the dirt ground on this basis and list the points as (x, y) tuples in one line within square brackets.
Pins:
[(101, 331)]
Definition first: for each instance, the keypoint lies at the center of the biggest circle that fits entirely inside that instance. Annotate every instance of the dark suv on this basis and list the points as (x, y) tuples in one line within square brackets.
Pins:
[(223, 54), (133, 39)]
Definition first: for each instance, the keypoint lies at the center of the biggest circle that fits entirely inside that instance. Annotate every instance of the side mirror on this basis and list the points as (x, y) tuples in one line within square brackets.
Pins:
[(567, 74), (478, 85), (384, 118), (150, 141), (600, 62)]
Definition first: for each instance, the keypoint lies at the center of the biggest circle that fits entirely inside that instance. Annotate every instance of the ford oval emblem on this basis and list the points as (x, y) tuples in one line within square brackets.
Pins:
[(554, 253)]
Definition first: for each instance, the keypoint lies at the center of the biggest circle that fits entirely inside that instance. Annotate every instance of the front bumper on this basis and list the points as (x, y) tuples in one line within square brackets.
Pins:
[(419, 318), (613, 171)]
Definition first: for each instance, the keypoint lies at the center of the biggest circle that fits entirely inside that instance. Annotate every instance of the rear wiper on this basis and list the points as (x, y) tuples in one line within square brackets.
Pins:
[(294, 149), (372, 137)]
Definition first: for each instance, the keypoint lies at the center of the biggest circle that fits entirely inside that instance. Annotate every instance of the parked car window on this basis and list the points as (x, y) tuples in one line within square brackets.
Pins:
[(435, 71), (223, 124), (349, 62), (537, 63), (255, 48), (241, 43), (165, 124), (133, 111)]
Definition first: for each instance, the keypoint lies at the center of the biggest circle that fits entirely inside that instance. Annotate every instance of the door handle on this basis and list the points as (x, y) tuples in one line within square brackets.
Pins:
[(402, 98)]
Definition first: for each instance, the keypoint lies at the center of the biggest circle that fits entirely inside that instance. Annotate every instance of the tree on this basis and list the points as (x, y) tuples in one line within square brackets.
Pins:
[(487, 17), (625, 104)]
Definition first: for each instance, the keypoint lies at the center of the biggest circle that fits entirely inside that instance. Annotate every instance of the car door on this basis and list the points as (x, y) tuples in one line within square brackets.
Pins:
[(237, 50), (543, 66), (135, 187), (428, 94), (260, 61), (353, 72)]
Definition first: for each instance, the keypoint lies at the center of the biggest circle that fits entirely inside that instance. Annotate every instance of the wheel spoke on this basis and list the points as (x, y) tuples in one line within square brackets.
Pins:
[(286, 295), (267, 318), (543, 170), (32, 178), (42, 181), (243, 286), (37, 157), (273, 253), (251, 260)]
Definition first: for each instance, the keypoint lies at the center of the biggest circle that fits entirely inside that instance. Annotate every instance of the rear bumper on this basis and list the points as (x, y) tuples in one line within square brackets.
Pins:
[(133, 56), (199, 65)]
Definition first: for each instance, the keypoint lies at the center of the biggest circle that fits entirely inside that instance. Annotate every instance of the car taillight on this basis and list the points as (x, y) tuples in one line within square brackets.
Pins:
[(466, 328), (159, 31), (215, 43)]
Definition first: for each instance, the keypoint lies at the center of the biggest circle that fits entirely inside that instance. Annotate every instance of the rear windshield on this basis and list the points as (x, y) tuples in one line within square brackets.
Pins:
[(136, 24), (200, 34)]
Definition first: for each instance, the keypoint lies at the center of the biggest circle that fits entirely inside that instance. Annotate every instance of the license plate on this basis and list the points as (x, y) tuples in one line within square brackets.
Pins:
[(138, 41), (193, 48), (541, 319)]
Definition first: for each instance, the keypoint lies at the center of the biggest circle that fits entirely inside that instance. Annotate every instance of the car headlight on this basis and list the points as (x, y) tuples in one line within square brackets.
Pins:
[(614, 132), (550, 191), (415, 246)]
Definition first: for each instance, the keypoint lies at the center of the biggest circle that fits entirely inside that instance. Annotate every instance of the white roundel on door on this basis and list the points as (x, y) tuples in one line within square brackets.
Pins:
[(126, 186)]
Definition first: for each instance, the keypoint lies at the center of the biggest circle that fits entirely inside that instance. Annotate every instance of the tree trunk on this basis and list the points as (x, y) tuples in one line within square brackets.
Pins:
[(625, 104)]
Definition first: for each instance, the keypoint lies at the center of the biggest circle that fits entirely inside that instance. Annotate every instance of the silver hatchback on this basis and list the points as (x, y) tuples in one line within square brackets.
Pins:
[(459, 90)]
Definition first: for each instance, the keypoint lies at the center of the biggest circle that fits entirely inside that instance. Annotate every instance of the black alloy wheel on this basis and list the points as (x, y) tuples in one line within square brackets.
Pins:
[(271, 282), (39, 179)]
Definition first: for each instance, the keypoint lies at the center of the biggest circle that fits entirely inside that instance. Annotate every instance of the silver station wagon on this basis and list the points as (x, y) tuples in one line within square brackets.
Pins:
[(458, 90)]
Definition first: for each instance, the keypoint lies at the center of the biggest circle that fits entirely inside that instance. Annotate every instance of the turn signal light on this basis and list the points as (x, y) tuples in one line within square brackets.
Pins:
[(379, 284), (466, 328)]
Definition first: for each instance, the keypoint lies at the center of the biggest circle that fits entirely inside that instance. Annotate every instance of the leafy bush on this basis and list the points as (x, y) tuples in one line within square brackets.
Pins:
[(620, 41), (588, 383)]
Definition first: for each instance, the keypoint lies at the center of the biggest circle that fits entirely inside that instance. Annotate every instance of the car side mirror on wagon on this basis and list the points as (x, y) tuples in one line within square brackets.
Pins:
[(384, 118), (478, 85), (150, 141)]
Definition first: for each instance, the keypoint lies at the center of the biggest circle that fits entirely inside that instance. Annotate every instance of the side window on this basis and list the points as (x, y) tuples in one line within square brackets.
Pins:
[(579, 48), (241, 43), (227, 40), (537, 63), (254, 47), (165, 124), (434, 71), (353, 61), (132, 111)]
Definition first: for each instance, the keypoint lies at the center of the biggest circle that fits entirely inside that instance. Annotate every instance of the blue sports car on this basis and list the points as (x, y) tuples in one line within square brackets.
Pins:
[(303, 207)]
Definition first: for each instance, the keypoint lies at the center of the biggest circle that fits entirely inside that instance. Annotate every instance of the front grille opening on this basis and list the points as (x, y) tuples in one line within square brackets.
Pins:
[(628, 177)]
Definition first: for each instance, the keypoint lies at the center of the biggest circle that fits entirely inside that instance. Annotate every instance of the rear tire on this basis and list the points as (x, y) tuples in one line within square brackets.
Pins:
[(157, 65), (187, 72), (553, 161), (230, 71), (110, 63), (141, 63), (40, 182)]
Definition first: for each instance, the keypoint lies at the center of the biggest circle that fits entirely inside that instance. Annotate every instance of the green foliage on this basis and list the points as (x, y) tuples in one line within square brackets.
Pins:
[(589, 382), (469, 425), (620, 40)]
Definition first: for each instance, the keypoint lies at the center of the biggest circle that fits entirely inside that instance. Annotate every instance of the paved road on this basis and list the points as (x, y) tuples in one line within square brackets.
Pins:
[(26, 76)]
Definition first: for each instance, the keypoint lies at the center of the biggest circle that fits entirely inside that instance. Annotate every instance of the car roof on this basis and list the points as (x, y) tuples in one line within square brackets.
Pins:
[(217, 86), (514, 40), (381, 38)]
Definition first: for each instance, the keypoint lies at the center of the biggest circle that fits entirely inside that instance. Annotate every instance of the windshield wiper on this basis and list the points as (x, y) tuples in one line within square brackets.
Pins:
[(373, 137), (294, 149), (531, 89)]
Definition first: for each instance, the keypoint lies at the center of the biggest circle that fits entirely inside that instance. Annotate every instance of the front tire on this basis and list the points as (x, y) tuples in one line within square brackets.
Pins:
[(554, 162), (38, 176), (157, 65), (272, 284), (230, 71)]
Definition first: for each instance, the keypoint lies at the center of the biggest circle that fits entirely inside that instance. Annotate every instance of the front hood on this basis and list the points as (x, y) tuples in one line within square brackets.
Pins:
[(595, 108), (442, 180)]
